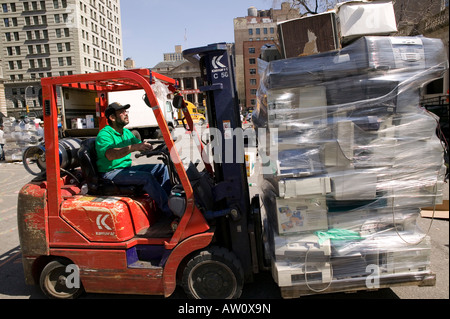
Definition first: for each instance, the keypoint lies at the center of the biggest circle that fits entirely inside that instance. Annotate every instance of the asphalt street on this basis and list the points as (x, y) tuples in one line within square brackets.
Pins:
[(12, 286)]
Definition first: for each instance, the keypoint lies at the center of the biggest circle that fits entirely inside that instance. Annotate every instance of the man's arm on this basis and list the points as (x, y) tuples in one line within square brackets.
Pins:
[(116, 153)]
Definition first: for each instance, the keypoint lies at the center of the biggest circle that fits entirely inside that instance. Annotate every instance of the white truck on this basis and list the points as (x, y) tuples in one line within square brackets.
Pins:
[(143, 123), (79, 114)]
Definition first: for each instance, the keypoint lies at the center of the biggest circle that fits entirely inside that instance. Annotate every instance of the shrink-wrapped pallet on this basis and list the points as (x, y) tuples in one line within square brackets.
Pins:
[(349, 154)]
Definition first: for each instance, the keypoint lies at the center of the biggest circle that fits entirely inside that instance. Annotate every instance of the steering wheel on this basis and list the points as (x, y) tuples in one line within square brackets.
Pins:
[(161, 149)]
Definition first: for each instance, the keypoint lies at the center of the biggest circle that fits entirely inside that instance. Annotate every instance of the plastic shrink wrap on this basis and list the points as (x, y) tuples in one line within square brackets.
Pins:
[(19, 135), (349, 157)]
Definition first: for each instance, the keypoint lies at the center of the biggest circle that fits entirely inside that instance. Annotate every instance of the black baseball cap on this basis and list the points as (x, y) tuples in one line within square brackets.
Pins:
[(113, 107)]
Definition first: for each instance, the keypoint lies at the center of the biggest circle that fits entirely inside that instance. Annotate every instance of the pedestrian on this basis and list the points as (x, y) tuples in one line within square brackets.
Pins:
[(114, 145)]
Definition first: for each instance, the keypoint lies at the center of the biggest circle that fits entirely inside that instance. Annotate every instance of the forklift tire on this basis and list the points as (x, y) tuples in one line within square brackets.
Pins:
[(214, 273), (53, 281)]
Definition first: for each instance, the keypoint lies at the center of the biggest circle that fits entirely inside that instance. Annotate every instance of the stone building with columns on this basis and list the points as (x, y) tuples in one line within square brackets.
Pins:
[(188, 76)]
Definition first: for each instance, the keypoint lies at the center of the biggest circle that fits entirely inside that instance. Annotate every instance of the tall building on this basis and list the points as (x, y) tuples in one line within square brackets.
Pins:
[(175, 56), (3, 111), (129, 63), (251, 32), (55, 37)]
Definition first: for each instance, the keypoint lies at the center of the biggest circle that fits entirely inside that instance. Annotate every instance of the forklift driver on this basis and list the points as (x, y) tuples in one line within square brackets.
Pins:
[(114, 145)]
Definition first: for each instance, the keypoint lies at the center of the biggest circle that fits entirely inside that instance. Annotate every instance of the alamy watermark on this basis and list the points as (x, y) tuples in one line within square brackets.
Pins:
[(72, 280), (229, 146)]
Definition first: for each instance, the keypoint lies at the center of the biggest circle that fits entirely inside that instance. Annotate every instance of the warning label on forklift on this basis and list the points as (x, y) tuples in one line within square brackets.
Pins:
[(227, 130)]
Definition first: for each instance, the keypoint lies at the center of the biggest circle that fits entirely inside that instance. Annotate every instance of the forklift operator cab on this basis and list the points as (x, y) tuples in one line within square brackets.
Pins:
[(96, 185), (114, 236)]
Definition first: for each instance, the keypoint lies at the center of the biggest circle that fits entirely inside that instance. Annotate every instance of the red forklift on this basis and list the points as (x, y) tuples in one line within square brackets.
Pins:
[(75, 225)]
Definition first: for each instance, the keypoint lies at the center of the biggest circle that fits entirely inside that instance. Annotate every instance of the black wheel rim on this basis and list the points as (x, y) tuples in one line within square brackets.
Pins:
[(212, 280)]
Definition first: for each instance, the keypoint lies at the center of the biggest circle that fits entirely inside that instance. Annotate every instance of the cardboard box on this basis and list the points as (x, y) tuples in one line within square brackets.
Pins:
[(78, 123), (308, 35), (90, 121), (359, 18), (302, 213)]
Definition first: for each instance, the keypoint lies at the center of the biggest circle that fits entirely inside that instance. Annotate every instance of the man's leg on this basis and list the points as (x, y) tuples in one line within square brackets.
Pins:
[(160, 172), (143, 176)]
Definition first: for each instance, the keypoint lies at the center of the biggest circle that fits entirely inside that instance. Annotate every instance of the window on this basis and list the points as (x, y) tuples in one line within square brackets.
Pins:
[(5, 7), (252, 71), (258, 31), (55, 4), (251, 50), (252, 81), (272, 30), (6, 22), (265, 30), (250, 31), (252, 61)]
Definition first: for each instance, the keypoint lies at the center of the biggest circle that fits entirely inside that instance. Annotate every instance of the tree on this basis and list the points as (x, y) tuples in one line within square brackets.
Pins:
[(306, 7)]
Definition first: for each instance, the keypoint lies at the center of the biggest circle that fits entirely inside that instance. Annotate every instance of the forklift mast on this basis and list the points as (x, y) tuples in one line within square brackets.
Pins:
[(230, 175)]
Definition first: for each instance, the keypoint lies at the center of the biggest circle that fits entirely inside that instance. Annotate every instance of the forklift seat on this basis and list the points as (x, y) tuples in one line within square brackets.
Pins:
[(87, 156)]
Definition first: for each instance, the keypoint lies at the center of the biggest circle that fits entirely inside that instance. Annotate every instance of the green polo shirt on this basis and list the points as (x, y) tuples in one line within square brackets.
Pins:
[(109, 138)]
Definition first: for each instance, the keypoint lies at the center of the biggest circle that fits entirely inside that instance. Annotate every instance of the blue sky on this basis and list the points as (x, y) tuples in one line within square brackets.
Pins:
[(151, 28)]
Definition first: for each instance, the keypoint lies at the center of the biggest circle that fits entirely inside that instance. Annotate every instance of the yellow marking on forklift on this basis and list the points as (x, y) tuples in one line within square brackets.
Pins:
[(86, 198)]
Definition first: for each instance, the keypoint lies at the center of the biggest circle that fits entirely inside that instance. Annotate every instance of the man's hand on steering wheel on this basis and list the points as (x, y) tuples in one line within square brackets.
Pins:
[(143, 147)]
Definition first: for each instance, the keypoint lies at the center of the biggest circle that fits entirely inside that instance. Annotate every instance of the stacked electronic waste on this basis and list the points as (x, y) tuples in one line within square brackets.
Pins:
[(350, 159), (20, 135)]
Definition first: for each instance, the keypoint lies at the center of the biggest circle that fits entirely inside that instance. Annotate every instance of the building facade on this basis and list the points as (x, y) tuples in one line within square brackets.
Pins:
[(55, 37), (175, 56), (187, 74), (260, 27)]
